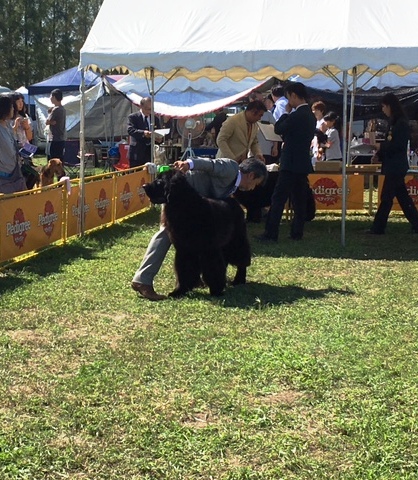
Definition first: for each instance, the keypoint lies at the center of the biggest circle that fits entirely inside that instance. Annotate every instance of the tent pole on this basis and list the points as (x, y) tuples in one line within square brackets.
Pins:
[(350, 125), (104, 110), (81, 193), (112, 127), (152, 114), (344, 175)]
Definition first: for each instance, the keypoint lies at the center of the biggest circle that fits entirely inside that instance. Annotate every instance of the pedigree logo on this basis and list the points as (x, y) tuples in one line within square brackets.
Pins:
[(75, 209), (140, 191), (326, 191), (412, 187), (126, 196), (47, 219), (102, 203), (18, 228)]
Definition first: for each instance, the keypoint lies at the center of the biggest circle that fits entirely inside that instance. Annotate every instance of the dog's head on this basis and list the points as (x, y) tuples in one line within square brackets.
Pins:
[(158, 190), (56, 167)]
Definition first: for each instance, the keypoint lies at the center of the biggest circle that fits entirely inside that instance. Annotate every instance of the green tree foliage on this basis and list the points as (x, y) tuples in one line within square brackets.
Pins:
[(39, 38)]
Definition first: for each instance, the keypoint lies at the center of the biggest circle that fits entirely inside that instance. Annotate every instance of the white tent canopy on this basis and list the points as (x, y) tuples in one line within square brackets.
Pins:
[(241, 38), (255, 38)]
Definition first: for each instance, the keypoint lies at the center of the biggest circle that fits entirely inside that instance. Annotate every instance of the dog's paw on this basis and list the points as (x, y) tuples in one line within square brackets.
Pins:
[(240, 276), (199, 283), (238, 281), (216, 293), (177, 293)]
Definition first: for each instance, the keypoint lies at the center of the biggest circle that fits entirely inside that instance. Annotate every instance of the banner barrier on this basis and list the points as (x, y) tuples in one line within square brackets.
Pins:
[(72, 224), (35, 219), (98, 206), (130, 195), (411, 182), (30, 222), (328, 191)]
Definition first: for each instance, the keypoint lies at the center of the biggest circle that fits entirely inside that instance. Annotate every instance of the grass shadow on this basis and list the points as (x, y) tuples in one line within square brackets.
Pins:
[(257, 295), (46, 262), (323, 239)]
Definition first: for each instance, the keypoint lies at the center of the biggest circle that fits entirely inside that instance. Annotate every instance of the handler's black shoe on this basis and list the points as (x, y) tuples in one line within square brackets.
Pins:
[(147, 291)]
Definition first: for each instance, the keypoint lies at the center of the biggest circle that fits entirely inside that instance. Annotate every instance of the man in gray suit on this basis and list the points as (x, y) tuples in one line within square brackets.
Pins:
[(217, 178)]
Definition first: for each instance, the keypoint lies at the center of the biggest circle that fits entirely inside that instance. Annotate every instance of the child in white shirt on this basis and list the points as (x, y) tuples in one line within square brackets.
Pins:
[(333, 152)]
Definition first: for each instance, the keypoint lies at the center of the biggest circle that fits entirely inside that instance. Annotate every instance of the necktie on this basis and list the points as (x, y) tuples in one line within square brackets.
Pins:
[(146, 123), (232, 189)]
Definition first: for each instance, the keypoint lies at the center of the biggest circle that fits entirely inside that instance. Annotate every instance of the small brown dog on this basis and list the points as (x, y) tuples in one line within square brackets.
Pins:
[(49, 171)]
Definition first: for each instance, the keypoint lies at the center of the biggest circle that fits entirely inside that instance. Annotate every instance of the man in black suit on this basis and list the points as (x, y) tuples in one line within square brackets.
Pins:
[(297, 128), (139, 130)]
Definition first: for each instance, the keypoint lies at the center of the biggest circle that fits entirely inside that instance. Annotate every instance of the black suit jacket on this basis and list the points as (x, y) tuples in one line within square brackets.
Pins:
[(393, 151), (140, 146), (297, 130)]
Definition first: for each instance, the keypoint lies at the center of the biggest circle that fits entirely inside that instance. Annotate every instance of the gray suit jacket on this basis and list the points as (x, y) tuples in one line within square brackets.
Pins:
[(213, 178)]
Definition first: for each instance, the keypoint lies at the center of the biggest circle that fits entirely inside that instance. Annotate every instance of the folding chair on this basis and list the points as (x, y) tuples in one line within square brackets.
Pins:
[(71, 160), (123, 164), (88, 163), (110, 156)]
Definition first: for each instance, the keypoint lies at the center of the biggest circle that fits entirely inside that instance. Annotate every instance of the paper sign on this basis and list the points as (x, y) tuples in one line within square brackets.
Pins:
[(267, 129), (162, 131)]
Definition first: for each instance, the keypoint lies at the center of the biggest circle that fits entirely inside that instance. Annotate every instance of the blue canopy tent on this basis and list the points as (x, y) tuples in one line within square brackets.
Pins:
[(67, 81)]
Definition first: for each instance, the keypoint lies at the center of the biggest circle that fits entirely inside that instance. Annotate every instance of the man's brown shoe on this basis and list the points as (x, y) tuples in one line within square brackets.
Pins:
[(147, 291)]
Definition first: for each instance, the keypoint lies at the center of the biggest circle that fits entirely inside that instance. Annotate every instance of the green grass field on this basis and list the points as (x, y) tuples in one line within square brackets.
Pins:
[(307, 372)]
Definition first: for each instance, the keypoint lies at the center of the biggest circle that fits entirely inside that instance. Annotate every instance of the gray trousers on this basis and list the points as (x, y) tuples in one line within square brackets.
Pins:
[(153, 258)]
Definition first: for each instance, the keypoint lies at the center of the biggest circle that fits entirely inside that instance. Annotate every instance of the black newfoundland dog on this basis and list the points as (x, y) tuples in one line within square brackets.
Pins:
[(207, 234)]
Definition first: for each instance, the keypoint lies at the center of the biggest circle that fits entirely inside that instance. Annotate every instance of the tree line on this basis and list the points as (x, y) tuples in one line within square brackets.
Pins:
[(39, 38)]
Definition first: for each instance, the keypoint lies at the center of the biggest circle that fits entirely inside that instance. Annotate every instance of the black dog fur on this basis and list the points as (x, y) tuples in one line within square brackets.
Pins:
[(207, 234), (260, 197)]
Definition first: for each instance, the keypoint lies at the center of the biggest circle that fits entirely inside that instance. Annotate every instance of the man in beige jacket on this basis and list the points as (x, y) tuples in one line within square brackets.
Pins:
[(237, 138)]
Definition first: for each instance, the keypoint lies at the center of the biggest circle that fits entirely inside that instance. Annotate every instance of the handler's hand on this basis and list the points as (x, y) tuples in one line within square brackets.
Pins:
[(183, 166)]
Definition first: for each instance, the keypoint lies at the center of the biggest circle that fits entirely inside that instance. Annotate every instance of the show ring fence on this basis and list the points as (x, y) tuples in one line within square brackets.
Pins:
[(35, 219)]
